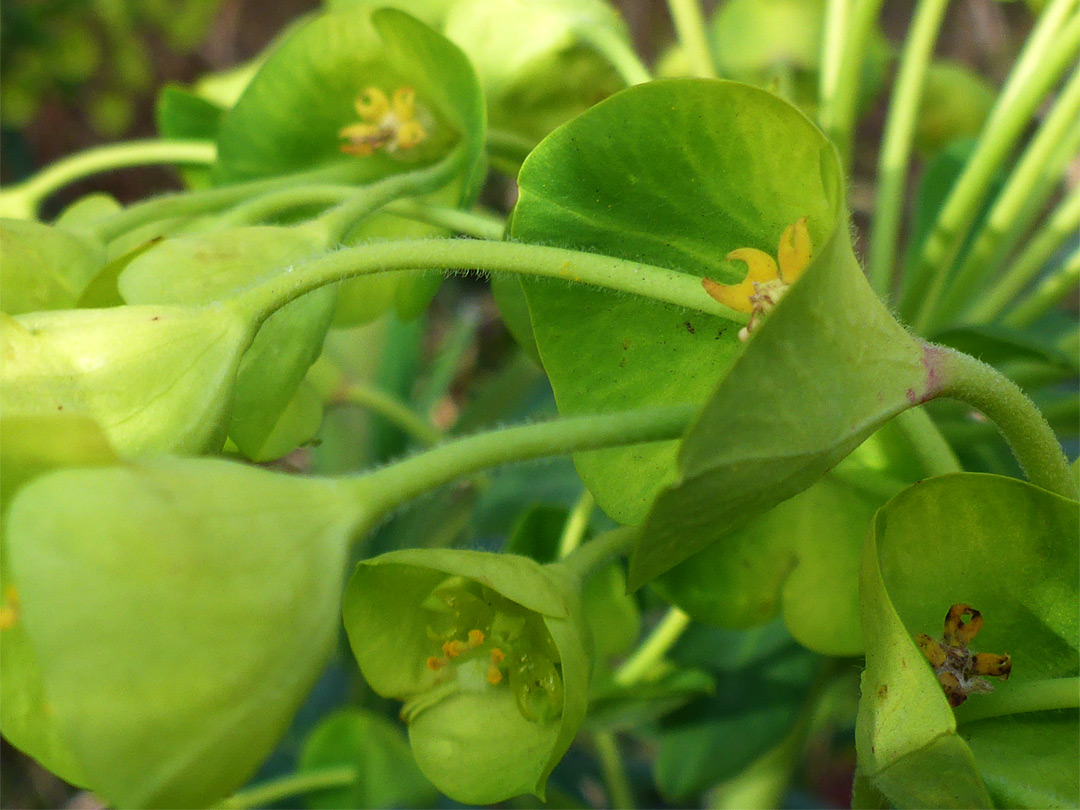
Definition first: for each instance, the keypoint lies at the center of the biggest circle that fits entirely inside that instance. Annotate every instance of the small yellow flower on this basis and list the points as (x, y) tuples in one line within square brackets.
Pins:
[(390, 124), (765, 282)]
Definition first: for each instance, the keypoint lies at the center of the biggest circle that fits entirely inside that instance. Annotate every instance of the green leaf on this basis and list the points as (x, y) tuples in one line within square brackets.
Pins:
[(155, 378), (1007, 549), (471, 738), (612, 615), (44, 267), (536, 533), (297, 425), (180, 113), (386, 775), (534, 65), (828, 367), (289, 116), (676, 173), (800, 559), (954, 104), (176, 633)]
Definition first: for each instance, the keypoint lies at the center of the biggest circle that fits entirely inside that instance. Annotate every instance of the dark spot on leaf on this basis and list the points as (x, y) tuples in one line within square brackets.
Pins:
[(626, 344), (59, 407), (882, 691), (156, 318), (720, 333), (689, 328)]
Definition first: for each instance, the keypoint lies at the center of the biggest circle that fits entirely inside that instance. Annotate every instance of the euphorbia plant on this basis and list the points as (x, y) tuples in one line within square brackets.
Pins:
[(736, 393)]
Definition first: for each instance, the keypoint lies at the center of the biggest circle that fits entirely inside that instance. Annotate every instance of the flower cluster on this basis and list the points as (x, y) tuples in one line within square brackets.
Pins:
[(957, 668), (389, 123)]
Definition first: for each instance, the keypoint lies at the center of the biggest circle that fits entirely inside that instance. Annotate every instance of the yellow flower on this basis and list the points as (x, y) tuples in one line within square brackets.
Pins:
[(957, 668), (390, 124), (765, 282)]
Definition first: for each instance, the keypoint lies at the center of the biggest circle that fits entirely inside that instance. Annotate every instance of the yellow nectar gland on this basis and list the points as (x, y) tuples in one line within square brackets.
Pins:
[(454, 648), (958, 669), (476, 638), (390, 124), (766, 281), (9, 612)]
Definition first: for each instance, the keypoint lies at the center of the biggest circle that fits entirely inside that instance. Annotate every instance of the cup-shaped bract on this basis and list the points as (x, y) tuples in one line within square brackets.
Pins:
[(1007, 550), (171, 617), (489, 653), (44, 267), (155, 378), (534, 60)]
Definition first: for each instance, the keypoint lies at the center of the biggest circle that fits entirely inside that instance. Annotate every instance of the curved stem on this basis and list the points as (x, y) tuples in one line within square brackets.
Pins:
[(1007, 208), (599, 551), (1008, 121), (24, 200), (620, 796), (1062, 225), (931, 448), (393, 410), (478, 224), (1047, 295), (657, 283), (577, 522), (690, 29), (619, 53), (294, 784), (1030, 438), (211, 200), (653, 649), (384, 489), (898, 138), (1022, 697)]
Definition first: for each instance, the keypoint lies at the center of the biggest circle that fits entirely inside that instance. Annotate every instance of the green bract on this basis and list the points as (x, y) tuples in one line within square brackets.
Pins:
[(155, 378), (489, 653), (532, 58), (171, 617), (42, 267), (290, 116), (1007, 549)]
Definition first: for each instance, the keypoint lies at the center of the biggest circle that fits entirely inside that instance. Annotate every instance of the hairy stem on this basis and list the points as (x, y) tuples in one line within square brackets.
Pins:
[(23, 200), (647, 281), (1031, 439), (385, 489)]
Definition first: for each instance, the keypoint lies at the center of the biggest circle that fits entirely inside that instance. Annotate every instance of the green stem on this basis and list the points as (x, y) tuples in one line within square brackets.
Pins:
[(211, 200), (283, 201), (1010, 203), (393, 410), (1021, 698), (657, 283), (1024, 91), (653, 649), (1060, 411), (838, 119), (478, 224), (619, 53), (897, 140), (619, 793), (933, 451), (292, 785), (24, 200), (1061, 227), (577, 522), (599, 551), (837, 14), (384, 489), (690, 29), (1030, 438), (1047, 295)]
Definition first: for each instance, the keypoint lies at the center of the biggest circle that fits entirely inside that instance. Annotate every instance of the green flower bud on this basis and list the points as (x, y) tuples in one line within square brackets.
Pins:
[(42, 267), (489, 653), (156, 379)]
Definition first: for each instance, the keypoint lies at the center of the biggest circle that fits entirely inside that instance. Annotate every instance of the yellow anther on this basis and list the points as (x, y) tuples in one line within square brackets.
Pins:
[(435, 663), (476, 638), (766, 281), (373, 105), (497, 656), (494, 675), (388, 124), (454, 648), (960, 671), (9, 612)]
